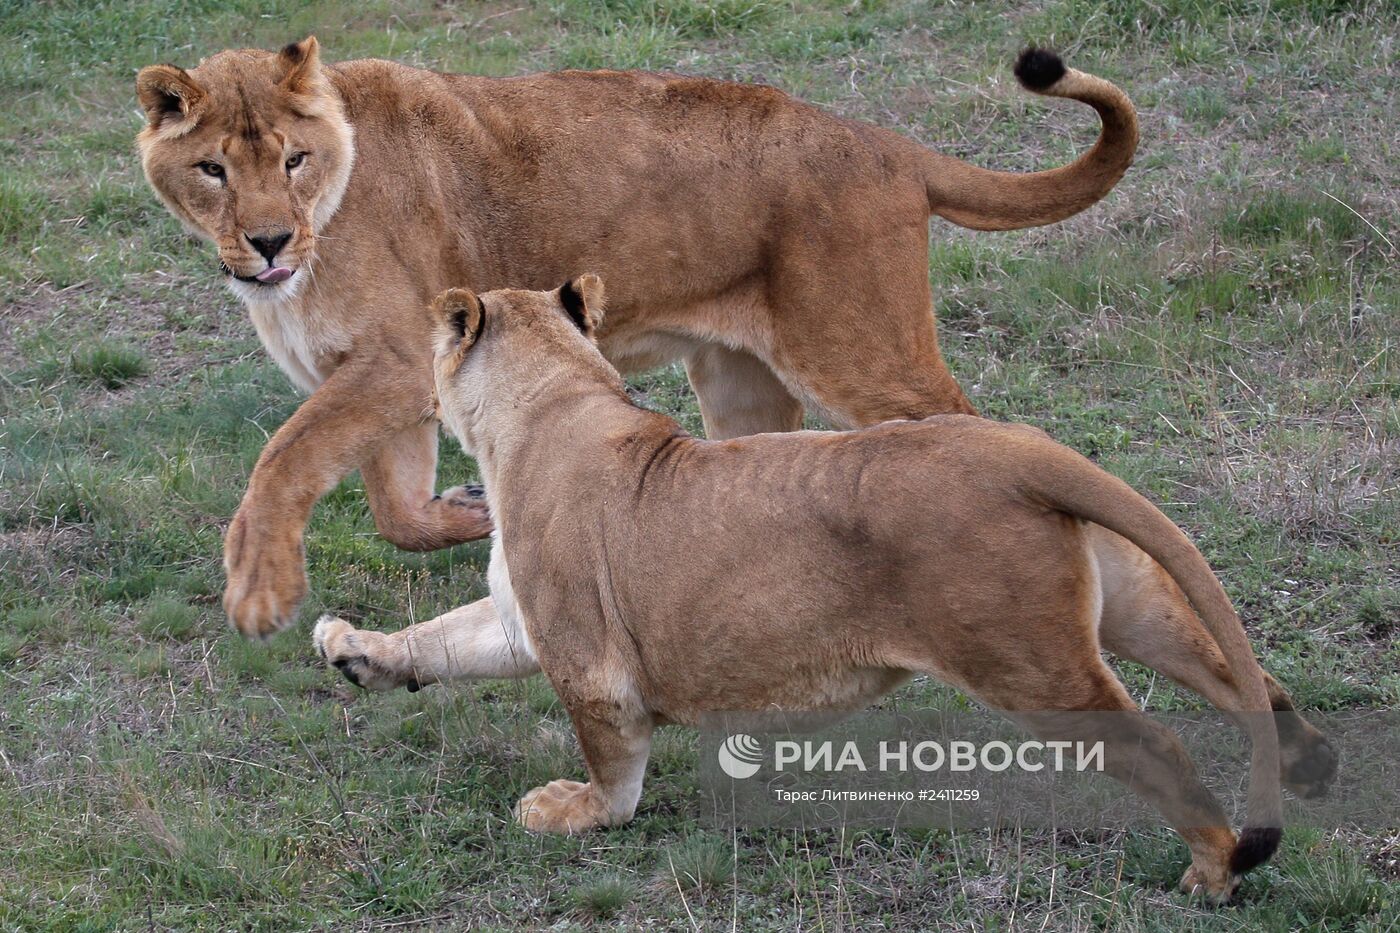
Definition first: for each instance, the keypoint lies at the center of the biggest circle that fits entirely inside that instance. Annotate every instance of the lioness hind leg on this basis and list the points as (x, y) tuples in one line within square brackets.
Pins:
[(1142, 754), (853, 328), (1147, 619), (615, 747), (470, 642)]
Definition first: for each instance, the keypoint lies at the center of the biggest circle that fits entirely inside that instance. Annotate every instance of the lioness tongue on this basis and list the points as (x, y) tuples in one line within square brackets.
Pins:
[(274, 275)]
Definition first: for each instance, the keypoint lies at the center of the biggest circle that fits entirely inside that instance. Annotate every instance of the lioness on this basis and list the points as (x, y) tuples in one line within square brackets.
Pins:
[(781, 252), (654, 576)]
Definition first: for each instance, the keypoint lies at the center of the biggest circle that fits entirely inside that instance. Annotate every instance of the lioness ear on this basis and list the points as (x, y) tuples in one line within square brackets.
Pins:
[(303, 63), (167, 93), (583, 300), (461, 316)]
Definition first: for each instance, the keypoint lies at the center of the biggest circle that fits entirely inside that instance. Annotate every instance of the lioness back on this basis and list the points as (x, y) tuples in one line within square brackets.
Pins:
[(707, 174), (844, 526)]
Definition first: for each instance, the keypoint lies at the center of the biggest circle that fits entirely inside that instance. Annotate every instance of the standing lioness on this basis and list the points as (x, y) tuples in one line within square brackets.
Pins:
[(654, 576), (781, 252)]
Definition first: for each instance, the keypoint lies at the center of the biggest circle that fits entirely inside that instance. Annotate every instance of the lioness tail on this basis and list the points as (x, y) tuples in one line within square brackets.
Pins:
[(988, 200), (1060, 478)]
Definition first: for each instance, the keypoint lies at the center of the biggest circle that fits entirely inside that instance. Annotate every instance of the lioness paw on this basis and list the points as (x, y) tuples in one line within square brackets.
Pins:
[(566, 807), (474, 494), (469, 512), (266, 574), (1216, 886), (358, 655)]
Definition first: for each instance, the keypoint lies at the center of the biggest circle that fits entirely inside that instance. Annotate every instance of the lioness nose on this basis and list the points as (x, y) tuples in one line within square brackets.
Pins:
[(269, 244)]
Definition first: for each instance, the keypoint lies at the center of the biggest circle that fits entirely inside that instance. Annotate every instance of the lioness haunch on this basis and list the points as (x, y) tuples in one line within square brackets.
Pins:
[(657, 576)]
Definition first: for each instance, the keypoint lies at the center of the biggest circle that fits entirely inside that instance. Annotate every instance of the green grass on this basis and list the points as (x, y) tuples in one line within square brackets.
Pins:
[(604, 897), (703, 862), (111, 367), (21, 212), (1222, 332)]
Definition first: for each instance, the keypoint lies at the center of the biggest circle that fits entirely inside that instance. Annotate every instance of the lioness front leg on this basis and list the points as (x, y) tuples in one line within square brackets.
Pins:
[(615, 746), (348, 416), (399, 484), (470, 642)]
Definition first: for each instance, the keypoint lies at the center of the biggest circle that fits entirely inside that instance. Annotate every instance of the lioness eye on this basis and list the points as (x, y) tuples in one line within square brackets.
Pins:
[(212, 169), (296, 160)]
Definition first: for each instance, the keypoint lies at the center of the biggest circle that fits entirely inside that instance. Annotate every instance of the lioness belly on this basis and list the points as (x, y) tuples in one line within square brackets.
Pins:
[(846, 690)]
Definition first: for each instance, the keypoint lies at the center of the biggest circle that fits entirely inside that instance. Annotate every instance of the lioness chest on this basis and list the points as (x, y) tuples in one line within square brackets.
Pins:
[(300, 337)]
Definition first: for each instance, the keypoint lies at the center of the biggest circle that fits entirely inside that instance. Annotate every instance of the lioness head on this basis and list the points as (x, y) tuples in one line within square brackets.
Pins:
[(506, 344), (252, 151)]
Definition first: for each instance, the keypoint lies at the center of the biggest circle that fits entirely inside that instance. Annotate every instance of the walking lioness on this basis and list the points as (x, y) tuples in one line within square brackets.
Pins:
[(654, 576), (781, 252)]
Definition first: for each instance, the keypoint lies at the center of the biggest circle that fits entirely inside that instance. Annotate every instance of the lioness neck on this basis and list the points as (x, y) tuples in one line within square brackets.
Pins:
[(526, 438)]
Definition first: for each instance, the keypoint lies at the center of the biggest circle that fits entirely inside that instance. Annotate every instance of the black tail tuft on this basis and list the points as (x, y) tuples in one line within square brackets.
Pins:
[(1037, 69), (1255, 847)]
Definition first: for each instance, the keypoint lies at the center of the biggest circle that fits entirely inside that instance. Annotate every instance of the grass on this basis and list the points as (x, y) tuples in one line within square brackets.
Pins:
[(1222, 331), (110, 367), (605, 897)]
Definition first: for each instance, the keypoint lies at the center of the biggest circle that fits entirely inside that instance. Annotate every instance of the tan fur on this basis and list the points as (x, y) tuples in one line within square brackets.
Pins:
[(779, 251), (659, 576)]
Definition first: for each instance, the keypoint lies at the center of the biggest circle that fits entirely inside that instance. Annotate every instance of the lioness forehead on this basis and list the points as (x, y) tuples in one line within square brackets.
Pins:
[(521, 307), (254, 68), (243, 90), (522, 298)]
